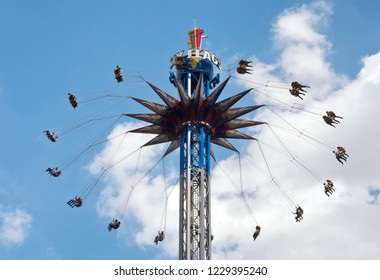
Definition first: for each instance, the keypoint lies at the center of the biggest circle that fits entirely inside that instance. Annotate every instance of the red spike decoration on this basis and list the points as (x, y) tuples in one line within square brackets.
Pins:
[(219, 118)]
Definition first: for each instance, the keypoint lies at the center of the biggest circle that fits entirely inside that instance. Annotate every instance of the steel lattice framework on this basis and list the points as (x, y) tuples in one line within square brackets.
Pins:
[(192, 123)]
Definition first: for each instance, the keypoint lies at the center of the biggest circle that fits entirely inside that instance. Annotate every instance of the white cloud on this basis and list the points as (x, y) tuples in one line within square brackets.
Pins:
[(343, 226), (299, 25), (304, 49), (14, 226)]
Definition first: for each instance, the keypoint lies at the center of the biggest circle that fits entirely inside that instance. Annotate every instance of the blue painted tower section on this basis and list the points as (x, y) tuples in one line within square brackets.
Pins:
[(195, 164)]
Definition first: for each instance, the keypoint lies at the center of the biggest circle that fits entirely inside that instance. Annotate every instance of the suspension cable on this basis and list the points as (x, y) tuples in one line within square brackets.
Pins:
[(241, 192), (274, 181)]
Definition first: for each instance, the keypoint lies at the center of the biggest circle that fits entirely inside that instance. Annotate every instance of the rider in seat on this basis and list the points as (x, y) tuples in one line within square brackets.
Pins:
[(244, 67), (118, 74), (299, 214), (256, 233), (339, 157), (53, 171), (160, 237), (296, 93), (76, 202), (298, 87), (51, 135), (329, 187), (341, 154), (342, 151), (330, 121), (73, 100), (332, 116), (114, 224)]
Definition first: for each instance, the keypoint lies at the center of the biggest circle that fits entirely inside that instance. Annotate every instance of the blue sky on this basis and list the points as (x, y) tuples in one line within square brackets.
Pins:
[(50, 48)]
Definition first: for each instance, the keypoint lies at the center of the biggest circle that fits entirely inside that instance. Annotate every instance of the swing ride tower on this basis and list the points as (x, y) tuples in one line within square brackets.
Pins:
[(195, 215), (192, 124)]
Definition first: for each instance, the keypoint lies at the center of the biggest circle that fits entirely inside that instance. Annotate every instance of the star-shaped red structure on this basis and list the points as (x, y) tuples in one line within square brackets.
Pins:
[(219, 118)]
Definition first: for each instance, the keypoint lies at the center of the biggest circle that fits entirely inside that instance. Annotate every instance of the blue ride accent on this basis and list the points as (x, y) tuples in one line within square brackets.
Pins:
[(200, 147)]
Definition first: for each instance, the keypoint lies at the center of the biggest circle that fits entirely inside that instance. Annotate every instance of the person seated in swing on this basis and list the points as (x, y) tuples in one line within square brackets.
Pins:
[(256, 233), (296, 93), (339, 157), (341, 154), (329, 187), (118, 74), (333, 116), (53, 171), (299, 214), (298, 87), (242, 70), (76, 202), (342, 151), (244, 67), (329, 183), (114, 224), (329, 118), (159, 238), (51, 135), (245, 63), (73, 100), (329, 121)]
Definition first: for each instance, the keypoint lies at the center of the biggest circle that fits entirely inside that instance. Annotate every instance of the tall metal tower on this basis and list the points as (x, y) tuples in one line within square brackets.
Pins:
[(192, 123)]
